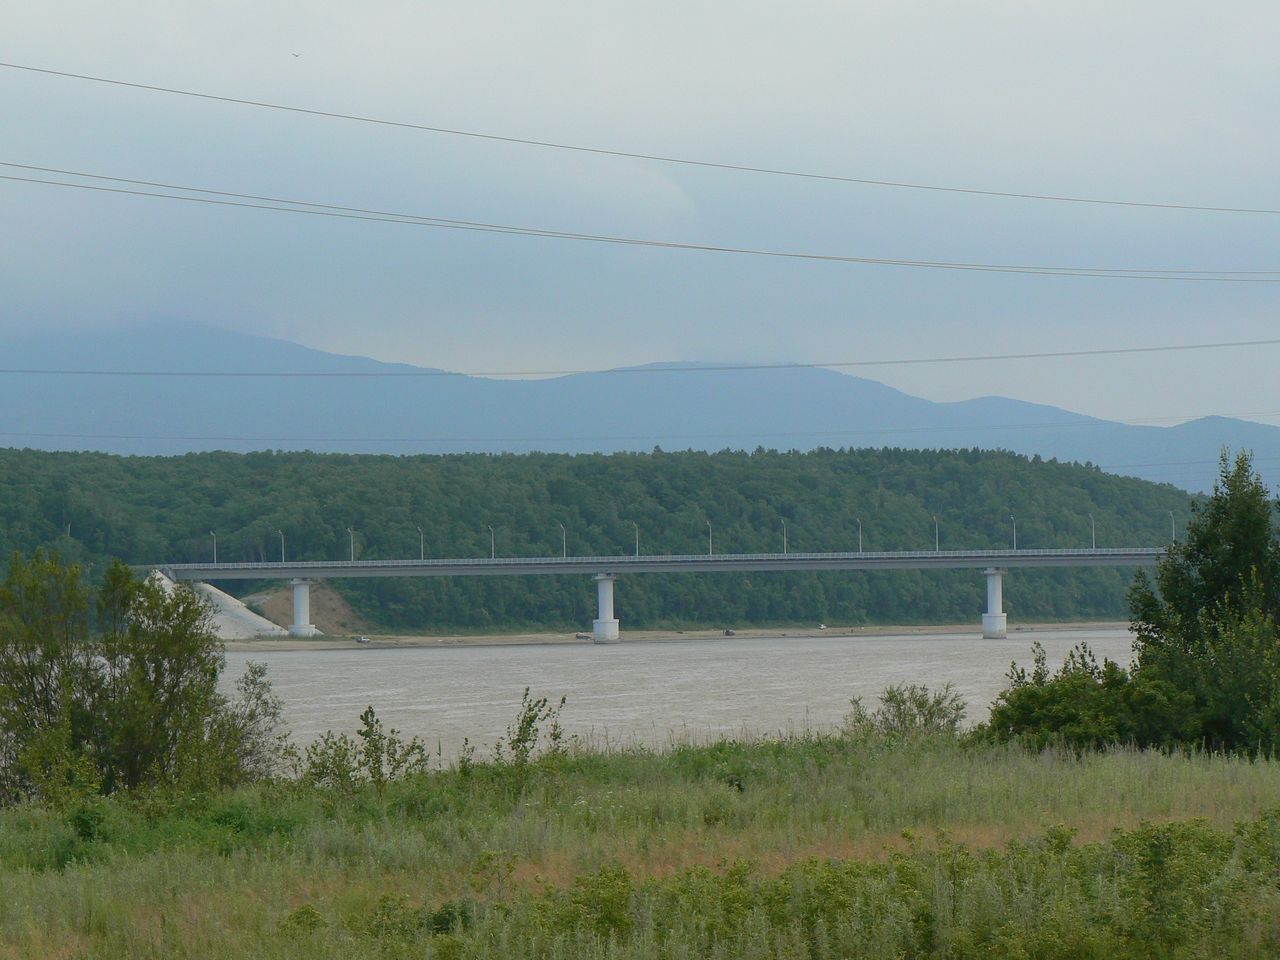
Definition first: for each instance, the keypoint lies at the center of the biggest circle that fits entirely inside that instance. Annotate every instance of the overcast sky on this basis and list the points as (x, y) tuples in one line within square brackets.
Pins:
[(1146, 100)]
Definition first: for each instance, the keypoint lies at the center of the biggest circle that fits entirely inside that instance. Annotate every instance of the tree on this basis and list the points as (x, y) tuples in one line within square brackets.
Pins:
[(155, 691), (134, 704), (1207, 625), (45, 661), (1207, 648), (1229, 541)]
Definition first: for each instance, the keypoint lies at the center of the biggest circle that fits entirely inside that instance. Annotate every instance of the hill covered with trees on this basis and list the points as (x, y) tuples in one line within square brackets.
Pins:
[(90, 507)]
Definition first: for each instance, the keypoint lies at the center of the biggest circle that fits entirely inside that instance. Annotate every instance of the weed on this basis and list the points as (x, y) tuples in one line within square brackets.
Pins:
[(376, 756), (522, 737), (304, 919), (908, 710)]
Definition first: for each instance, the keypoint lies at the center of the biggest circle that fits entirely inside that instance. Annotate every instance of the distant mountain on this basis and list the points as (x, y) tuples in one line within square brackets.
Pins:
[(430, 411)]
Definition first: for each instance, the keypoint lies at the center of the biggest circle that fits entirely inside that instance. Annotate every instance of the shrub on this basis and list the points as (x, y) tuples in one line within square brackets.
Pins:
[(908, 710), (134, 704), (1086, 705), (374, 756), (1207, 648), (522, 738), (304, 919)]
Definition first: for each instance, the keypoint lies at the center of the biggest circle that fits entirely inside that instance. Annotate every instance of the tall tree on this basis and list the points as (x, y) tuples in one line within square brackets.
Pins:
[(157, 685), (46, 660), (1207, 648), (1207, 624), (1229, 541), (135, 704)]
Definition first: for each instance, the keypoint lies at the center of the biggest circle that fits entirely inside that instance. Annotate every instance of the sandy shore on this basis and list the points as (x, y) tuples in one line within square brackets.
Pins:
[(652, 636)]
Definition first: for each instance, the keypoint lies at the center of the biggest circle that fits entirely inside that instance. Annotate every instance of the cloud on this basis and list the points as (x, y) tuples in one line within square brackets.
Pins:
[(1149, 100)]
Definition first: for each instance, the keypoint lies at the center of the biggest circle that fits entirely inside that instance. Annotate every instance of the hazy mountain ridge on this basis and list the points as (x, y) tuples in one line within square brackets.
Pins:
[(664, 405)]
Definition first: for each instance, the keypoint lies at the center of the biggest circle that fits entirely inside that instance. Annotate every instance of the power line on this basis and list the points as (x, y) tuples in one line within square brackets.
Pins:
[(1185, 463), (660, 436), (1182, 468), (218, 198), (418, 373), (655, 157), (397, 216)]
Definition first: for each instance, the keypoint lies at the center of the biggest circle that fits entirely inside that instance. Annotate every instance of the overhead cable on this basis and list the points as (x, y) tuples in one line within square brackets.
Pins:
[(426, 372), (221, 198), (636, 155), (1083, 422)]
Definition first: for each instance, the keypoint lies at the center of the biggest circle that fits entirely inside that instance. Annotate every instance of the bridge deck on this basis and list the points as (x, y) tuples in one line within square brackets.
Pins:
[(695, 563)]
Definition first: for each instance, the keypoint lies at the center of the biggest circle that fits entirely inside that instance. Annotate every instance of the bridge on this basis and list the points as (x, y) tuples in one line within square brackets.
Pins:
[(606, 570)]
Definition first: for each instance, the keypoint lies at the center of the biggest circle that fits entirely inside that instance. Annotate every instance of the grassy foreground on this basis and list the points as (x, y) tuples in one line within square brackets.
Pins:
[(820, 846)]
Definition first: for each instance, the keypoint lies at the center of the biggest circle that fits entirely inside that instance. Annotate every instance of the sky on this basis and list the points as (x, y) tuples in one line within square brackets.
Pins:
[(1150, 100)]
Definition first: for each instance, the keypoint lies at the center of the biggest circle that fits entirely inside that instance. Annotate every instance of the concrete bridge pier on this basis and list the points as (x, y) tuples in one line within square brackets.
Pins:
[(995, 624), (302, 625), (605, 626)]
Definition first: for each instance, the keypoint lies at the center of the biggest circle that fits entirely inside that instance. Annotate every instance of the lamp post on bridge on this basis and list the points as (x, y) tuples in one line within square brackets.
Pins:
[(858, 521), (710, 551), (637, 527), (1015, 532), (281, 532), (215, 546), (564, 542), (422, 545), (351, 530), (936, 540), (493, 544), (1093, 534), (1173, 528), (784, 536)]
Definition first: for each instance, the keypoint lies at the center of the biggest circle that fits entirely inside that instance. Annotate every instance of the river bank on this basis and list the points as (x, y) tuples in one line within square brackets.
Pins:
[(345, 642)]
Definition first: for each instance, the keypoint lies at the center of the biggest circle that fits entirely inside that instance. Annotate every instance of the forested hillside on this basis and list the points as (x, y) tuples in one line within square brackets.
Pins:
[(90, 507)]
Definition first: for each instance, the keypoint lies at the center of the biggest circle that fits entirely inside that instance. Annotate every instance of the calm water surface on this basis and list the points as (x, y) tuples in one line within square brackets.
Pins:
[(649, 692)]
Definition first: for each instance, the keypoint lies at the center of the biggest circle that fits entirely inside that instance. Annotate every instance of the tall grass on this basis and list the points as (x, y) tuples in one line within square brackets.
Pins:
[(286, 869)]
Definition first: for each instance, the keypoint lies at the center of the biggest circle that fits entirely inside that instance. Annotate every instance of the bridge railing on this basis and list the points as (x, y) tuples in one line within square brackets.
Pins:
[(619, 560)]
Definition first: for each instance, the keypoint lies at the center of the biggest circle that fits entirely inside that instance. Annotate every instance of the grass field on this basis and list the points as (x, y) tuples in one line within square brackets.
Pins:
[(821, 846)]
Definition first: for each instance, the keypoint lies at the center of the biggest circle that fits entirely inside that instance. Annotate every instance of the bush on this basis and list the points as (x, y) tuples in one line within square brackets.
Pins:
[(522, 738), (908, 710), (1086, 706), (1207, 650), (132, 704), (374, 756)]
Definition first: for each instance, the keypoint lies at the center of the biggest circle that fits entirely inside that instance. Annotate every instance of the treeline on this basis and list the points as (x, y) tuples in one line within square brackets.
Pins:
[(92, 507)]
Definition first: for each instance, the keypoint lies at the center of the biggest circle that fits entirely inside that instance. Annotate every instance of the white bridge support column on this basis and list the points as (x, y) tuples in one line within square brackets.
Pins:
[(995, 625), (605, 626), (302, 625)]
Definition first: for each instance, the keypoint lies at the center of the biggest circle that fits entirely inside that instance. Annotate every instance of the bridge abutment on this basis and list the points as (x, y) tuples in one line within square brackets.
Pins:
[(604, 628), (302, 625), (995, 624)]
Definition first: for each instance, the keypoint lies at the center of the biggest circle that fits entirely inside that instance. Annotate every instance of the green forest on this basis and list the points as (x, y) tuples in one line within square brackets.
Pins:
[(90, 507)]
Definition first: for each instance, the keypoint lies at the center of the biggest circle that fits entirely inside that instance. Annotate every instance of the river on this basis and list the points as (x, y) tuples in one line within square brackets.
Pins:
[(648, 692)]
